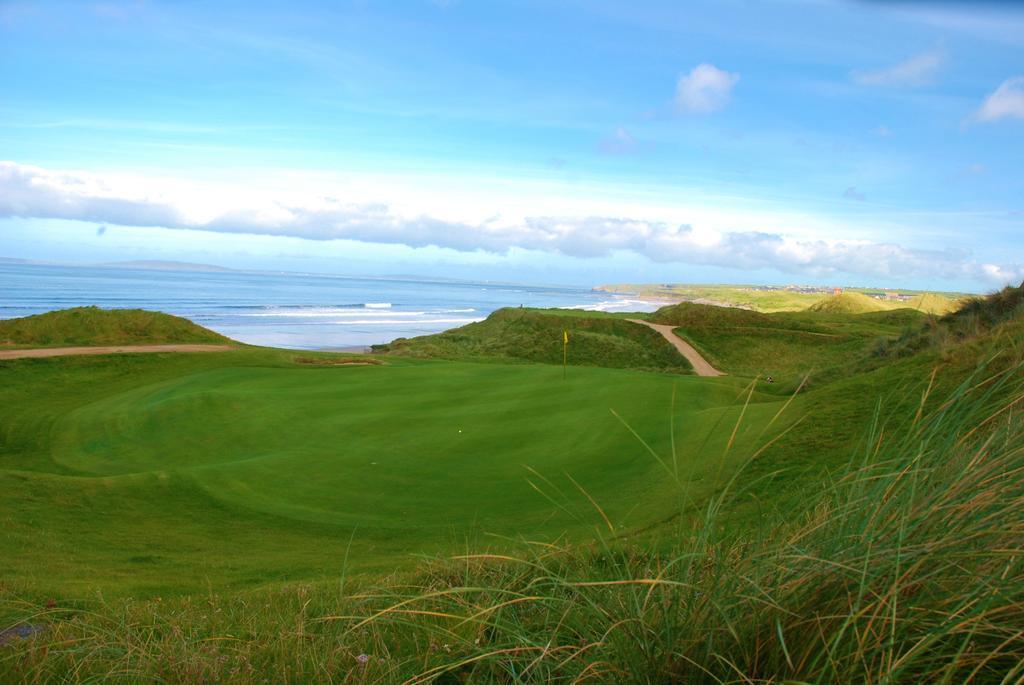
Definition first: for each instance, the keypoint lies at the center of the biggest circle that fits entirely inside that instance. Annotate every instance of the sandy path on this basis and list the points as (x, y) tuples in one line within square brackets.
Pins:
[(113, 349), (700, 365)]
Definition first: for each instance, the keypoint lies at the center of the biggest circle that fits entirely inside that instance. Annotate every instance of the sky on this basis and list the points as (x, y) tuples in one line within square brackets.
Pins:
[(778, 141)]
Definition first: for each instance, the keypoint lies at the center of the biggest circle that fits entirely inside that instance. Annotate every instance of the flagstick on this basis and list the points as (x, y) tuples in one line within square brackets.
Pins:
[(565, 352)]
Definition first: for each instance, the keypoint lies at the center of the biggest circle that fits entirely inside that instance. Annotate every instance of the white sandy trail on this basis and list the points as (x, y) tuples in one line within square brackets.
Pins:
[(700, 365), (113, 349)]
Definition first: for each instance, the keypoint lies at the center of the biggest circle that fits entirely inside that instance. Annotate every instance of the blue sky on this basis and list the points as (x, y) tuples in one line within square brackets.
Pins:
[(770, 142)]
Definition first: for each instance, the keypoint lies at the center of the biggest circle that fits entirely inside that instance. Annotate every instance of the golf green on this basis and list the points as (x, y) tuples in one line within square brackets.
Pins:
[(170, 472)]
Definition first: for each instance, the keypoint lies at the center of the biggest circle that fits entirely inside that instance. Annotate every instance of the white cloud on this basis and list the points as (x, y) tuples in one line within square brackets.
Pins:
[(918, 70), (1006, 101), (310, 213), (705, 89)]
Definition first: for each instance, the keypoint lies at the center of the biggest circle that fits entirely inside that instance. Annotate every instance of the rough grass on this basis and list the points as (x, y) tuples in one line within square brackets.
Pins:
[(95, 326), (595, 339), (997, 314), (979, 314)]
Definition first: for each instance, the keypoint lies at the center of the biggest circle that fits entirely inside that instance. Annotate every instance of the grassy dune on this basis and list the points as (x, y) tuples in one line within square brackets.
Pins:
[(859, 303), (786, 345), (852, 303), (244, 516), (605, 340), (932, 303), (95, 326)]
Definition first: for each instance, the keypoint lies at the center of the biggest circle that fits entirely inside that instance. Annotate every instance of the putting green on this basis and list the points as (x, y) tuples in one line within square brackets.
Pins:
[(170, 472)]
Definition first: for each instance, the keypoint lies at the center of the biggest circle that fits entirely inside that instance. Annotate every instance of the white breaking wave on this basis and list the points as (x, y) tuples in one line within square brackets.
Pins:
[(370, 309), (617, 305), (392, 322), (320, 312)]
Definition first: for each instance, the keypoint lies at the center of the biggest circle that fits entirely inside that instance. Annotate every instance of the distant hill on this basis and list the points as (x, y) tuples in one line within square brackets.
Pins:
[(930, 303), (851, 303), (771, 299), (859, 303), (690, 314), (157, 265), (95, 326)]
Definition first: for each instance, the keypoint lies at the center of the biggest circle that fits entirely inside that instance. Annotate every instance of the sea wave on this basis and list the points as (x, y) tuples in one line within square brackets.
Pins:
[(406, 322), (616, 305), (347, 305), (343, 310)]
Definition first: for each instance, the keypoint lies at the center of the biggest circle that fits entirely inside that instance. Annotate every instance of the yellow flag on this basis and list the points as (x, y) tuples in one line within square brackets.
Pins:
[(565, 351)]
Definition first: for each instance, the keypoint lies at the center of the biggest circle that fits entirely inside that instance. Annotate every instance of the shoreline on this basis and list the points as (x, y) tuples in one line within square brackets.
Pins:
[(659, 301)]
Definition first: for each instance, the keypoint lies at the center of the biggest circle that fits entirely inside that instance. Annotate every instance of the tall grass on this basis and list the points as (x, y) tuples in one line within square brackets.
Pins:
[(975, 318), (905, 568), (908, 569)]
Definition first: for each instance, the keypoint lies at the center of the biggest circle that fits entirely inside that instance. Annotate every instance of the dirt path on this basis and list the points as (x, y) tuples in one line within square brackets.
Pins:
[(113, 349), (700, 365)]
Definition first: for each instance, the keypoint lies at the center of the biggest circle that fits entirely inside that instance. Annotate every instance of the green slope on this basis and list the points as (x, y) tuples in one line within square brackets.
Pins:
[(932, 303), (784, 345), (535, 335), (95, 326), (162, 473)]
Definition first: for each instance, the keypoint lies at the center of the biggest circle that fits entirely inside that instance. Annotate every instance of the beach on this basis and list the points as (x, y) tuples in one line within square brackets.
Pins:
[(291, 310)]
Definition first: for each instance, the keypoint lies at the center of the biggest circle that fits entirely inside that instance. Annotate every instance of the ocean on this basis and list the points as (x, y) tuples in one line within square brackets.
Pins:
[(299, 311)]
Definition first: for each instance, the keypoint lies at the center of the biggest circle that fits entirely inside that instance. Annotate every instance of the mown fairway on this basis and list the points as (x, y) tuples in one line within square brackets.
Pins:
[(168, 473)]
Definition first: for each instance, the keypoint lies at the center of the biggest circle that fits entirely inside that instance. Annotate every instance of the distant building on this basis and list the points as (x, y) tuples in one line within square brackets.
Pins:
[(837, 291)]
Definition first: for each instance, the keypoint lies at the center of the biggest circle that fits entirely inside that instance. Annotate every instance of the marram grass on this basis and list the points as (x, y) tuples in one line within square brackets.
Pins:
[(905, 568)]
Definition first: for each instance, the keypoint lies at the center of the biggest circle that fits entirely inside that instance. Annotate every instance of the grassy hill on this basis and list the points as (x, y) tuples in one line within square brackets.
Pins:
[(246, 517), (535, 335), (688, 314), (859, 303), (773, 299), (784, 345), (932, 303), (851, 303), (95, 326)]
